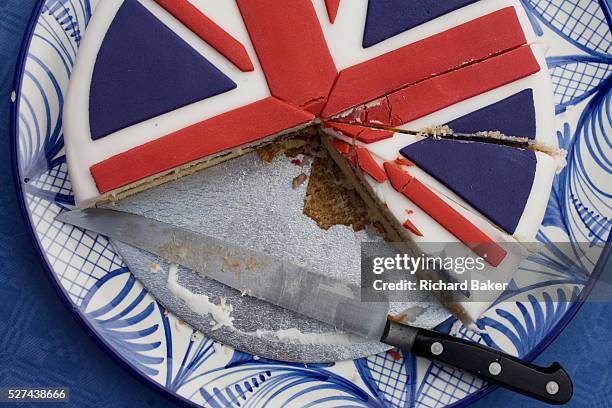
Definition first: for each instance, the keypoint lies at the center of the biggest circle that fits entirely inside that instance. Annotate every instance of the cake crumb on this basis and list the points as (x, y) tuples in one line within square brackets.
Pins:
[(397, 318), (299, 180), (395, 355), (437, 132), (291, 146), (491, 135), (232, 263), (250, 263)]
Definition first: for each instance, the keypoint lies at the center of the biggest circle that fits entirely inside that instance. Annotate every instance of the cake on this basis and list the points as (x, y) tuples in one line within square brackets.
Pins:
[(163, 88)]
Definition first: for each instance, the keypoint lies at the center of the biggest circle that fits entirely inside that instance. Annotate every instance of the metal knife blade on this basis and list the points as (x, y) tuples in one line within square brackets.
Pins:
[(265, 277), (320, 297)]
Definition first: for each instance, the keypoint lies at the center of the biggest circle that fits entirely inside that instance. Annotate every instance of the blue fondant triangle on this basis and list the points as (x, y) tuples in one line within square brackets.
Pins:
[(515, 116), (496, 180), (387, 18), (143, 70)]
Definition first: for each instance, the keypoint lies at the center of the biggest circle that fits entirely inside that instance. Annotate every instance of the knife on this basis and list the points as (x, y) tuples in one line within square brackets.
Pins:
[(319, 297)]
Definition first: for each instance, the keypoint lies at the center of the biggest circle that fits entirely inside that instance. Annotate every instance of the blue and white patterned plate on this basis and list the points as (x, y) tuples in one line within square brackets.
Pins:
[(157, 347)]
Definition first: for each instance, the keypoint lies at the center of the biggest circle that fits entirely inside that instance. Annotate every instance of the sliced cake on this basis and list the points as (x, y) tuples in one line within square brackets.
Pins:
[(163, 88), (488, 197)]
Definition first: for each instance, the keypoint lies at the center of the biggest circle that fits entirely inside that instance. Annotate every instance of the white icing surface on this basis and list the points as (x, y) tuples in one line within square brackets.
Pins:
[(82, 152), (345, 36), (199, 303), (532, 216)]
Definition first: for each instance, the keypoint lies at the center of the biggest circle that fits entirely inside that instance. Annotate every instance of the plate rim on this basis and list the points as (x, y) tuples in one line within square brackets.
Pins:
[(40, 253), (122, 361)]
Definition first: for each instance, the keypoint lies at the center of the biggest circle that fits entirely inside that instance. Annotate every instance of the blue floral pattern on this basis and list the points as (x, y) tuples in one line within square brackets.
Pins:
[(168, 352)]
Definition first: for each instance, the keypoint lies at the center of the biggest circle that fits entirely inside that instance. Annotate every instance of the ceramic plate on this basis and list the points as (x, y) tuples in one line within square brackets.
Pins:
[(157, 347)]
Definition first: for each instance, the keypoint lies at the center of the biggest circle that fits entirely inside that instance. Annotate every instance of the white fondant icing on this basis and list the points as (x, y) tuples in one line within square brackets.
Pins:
[(199, 303), (345, 36), (82, 152), (532, 216)]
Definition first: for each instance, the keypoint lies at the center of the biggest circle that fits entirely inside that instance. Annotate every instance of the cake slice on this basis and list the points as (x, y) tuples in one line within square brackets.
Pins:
[(487, 197)]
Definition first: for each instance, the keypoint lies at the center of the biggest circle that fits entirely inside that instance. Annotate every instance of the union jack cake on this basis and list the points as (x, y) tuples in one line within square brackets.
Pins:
[(163, 88)]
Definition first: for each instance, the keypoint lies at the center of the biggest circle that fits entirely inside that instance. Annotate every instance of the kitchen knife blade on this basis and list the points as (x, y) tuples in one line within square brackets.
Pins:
[(257, 274), (320, 297)]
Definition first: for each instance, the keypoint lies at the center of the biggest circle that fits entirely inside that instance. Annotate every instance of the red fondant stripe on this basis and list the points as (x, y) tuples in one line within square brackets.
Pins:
[(209, 31), (470, 42), (368, 164), (361, 133), (344, 128), (332, 9), (292, 50), (374, 135), (409, 225), (397, 177), (215, 135), (454, 222), (445, 215), (404, 162), (434, 94), (440, 92), (341, 146)]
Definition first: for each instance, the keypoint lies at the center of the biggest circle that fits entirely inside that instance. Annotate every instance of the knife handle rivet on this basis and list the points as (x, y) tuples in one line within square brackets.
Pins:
[(552, 387), (437, 348), (495, 368)]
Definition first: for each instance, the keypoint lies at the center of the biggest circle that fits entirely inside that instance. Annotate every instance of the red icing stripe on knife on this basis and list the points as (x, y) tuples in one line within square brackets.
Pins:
[(209, 31)]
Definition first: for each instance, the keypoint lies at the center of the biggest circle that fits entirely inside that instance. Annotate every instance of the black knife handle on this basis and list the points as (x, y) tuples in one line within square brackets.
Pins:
[(551, 384)]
